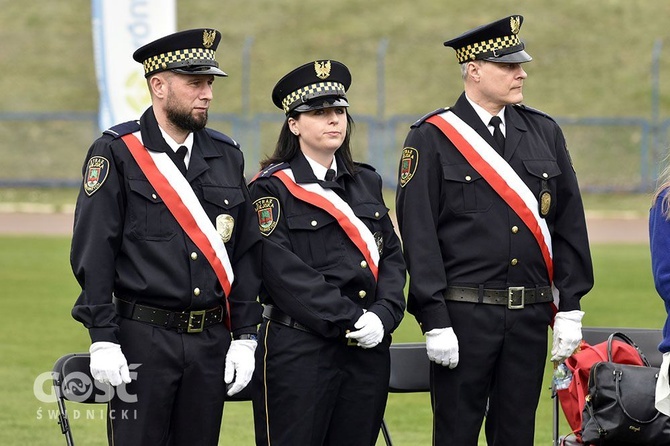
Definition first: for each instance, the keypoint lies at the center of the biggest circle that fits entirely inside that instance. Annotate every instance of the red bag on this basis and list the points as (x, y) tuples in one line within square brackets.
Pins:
[(573, 398)]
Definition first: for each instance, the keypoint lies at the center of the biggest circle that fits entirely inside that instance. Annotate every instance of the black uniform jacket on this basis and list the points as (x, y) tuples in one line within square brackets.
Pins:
[(126, 242), (312, 271), (457, 231)]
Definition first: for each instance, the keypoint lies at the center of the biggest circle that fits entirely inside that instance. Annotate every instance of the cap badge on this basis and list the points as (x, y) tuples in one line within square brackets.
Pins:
[(224, 226), (322, 69), (515, 24), (208, 38)]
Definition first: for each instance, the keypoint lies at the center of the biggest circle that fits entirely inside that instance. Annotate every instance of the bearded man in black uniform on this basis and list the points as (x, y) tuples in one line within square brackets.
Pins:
[(166, 252), (495, 241)]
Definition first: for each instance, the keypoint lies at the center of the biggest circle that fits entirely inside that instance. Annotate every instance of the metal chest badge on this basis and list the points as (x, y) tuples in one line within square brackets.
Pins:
[(268, 211), (224, 226), (379, 241), (408, 164), (97, 170), (545, 198)]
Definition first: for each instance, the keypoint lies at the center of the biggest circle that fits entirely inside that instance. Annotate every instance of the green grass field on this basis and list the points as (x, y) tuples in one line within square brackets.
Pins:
[(38, 291)]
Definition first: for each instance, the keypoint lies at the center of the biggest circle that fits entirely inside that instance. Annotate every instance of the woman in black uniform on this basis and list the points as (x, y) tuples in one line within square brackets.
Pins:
[(333, 273)]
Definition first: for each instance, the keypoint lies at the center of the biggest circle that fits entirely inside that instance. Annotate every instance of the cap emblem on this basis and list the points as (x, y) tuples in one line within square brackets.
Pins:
[(322, 69), (515, 24), (208, 37)]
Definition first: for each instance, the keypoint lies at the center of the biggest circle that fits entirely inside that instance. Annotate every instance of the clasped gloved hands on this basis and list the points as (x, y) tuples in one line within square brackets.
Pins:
[(567, 334), (442, 346), (370, 330), (240, 364), (108, 363)]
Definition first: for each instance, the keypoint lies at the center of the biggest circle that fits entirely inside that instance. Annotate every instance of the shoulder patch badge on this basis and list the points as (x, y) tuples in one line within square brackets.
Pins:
[(408, 164), (268, 211), (97, 170)]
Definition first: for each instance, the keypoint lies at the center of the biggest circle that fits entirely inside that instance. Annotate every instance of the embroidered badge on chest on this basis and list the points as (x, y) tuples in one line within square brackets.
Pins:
[(224, 226), (268, 211), (97, 170), (408, 164)]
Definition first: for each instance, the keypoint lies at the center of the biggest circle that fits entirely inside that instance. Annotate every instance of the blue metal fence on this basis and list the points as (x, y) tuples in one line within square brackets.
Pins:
[(627, 150)]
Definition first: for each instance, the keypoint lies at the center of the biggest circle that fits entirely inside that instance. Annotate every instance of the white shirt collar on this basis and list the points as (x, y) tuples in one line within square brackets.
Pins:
[(188, 143), (319, 170), (486, 116)]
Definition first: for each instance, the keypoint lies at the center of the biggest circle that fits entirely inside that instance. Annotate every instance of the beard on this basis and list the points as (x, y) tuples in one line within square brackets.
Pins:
[(184, 119)]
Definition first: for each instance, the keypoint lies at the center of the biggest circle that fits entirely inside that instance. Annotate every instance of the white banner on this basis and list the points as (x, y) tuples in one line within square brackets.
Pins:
[(119, 28)]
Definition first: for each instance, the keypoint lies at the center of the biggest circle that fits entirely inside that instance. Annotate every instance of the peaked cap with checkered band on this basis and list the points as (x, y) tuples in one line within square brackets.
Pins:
[(314, 85), (188, 52), (495, 42)]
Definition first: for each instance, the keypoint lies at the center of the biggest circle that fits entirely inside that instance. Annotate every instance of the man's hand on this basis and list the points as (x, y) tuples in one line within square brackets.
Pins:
[(567, 334), (240, 364), (370, 330), (108, 364), (442, 346)]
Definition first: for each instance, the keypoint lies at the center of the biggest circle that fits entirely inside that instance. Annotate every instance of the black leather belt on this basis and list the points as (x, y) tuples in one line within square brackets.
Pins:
[(515, 297), (276, 315), (184, 321)]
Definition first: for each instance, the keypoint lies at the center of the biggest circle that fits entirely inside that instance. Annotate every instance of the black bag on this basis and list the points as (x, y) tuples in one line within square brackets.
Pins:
[(619, 408)]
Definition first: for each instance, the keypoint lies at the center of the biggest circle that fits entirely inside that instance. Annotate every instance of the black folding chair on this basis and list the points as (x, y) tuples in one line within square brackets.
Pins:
[(72, 381), (647, 339), (410, 372)]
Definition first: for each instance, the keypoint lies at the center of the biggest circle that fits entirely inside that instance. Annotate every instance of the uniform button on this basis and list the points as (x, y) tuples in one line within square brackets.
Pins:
[(362, 294), (377, 214), (313, 223), (364, 264), (514, 262), (225, 201), (515, 229), (468, 178), (545, 175), (196, 292), (194, 256), (153, 196)]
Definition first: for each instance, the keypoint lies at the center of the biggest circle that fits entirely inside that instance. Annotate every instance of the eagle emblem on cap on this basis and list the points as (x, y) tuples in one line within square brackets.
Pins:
[(515, 24), (208, 37), (322, 69)]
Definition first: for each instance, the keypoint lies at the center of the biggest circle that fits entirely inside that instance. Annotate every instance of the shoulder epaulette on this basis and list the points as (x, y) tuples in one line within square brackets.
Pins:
[(124, 128), (533, 110), (424, 117), (365, 165), (222, 137), (269, 170)]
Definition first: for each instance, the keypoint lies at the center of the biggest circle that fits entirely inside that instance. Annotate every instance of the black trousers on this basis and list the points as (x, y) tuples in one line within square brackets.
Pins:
[(177, 393), (312, 391), (502, 357)]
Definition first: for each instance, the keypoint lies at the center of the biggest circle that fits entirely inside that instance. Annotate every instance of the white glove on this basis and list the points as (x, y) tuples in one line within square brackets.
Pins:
[(567, 334), (442, 346), (370, 330), (108, 364), (662, 393), (240, 364)]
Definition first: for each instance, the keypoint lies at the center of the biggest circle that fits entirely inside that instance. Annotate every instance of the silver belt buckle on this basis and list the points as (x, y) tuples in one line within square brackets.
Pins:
[(516, 297)]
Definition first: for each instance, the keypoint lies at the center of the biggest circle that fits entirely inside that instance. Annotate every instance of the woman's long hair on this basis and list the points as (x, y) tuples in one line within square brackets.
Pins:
[(288, 145)]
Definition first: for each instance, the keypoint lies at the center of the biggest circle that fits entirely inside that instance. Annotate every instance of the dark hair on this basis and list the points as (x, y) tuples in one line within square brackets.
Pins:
[(288, 145)]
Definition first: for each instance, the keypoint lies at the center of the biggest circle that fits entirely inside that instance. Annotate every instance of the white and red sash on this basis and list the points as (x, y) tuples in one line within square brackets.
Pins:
[(182, 202), (502, 178), (332, 203)]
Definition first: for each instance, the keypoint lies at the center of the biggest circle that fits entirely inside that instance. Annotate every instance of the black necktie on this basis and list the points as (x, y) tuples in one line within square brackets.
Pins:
[(180, 159), (330, 175), (497, 133)]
